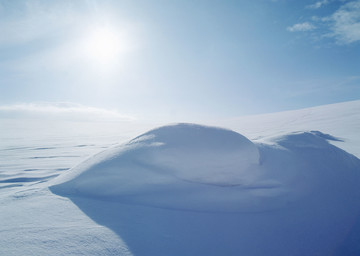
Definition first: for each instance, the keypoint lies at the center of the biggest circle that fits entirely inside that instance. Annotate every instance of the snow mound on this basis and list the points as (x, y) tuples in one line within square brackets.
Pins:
[(193, 167), (182, 166), (198, 154)]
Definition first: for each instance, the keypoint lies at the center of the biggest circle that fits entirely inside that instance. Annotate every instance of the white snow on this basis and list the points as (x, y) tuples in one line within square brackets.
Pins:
[(341, 120), (185, 189), (182, 166)]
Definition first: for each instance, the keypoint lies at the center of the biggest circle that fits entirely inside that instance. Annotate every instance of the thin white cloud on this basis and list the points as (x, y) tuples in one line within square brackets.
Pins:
[(59, 36), (318, 4), (62, 111), (345, 23), (29, 20), (305, 26)]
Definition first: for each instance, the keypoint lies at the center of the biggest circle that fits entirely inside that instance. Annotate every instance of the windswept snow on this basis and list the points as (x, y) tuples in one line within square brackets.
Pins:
[(290, 186), (182, 166), (193, 167), (298, 182), (341, 120)]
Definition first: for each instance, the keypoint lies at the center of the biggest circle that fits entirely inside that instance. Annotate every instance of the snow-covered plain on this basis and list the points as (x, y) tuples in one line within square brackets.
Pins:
[(276, 184)]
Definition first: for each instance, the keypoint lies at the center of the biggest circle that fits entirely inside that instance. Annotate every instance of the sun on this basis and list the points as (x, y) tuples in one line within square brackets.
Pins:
[(105, 44)]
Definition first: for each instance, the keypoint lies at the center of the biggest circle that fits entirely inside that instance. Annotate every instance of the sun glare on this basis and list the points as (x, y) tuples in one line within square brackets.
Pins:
[(105, 44)]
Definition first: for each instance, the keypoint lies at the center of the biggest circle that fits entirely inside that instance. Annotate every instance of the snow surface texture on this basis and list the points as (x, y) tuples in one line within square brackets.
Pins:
[(312, 208), (299, 183)]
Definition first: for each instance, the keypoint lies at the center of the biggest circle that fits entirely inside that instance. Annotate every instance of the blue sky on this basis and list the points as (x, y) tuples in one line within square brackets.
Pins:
[(178, 60)]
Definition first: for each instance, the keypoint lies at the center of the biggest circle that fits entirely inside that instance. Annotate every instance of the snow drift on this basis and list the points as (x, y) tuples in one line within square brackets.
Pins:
[(182, 166), (193, 167), (299, 195), (194, 190)]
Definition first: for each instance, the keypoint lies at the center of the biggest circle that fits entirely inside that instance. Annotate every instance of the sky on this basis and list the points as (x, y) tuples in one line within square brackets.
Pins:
[(176, 60)]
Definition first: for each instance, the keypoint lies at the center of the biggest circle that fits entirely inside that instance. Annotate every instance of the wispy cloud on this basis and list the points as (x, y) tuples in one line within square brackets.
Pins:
[(52, 37), (318, 4), (62, 111), (23, 22), (343, 25), (305, 26)]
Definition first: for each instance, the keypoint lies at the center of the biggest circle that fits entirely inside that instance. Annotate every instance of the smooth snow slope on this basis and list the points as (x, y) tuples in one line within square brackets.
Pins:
[(341, 120), (299, 184)]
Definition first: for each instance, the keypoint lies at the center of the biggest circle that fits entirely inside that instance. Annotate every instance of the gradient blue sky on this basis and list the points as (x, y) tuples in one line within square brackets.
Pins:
[(180, 59)]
